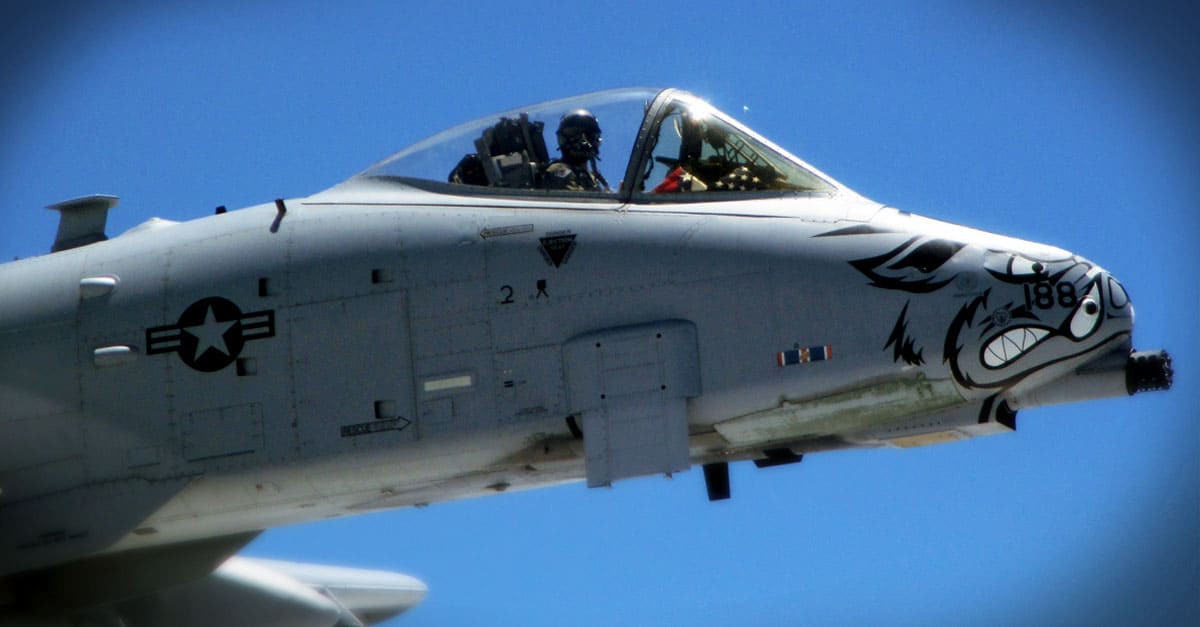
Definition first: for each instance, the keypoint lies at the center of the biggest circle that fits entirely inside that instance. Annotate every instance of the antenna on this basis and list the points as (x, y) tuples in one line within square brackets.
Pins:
[(82, 221)]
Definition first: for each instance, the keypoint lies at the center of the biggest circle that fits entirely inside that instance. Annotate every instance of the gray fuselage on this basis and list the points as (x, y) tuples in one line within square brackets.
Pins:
[(372, 349)]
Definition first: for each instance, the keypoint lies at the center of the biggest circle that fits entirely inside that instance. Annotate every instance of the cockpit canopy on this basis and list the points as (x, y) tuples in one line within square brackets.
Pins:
[(656, 145)]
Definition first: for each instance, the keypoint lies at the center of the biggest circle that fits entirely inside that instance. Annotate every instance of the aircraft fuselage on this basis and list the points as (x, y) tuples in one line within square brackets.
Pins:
[(259, 367)]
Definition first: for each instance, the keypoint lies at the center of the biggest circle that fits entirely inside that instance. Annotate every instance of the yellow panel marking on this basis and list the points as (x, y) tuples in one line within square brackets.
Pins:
[(925, 439)]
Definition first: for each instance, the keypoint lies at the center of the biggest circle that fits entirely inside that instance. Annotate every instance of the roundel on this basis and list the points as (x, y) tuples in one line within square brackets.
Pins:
[(210, 333)]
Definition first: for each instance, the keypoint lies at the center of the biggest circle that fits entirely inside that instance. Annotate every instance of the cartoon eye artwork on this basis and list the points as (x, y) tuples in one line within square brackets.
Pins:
[(1086, 317), (1012, 268), (929, 256), (914, 266), (1022, 267)]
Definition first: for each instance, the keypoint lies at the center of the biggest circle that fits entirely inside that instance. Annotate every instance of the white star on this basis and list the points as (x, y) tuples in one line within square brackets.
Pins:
[(210, 335)]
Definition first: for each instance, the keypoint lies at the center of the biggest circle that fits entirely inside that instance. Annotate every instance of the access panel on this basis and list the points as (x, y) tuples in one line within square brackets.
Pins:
[(629, 386)]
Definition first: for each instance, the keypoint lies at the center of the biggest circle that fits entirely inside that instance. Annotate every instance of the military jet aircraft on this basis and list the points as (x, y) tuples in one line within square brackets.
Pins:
[(454, 322)]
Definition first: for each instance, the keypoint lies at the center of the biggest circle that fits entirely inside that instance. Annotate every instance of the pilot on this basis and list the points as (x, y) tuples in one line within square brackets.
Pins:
[(579, 142)]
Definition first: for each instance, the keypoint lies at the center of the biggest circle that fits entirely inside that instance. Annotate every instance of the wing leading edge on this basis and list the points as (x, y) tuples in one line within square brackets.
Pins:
[(246, 592)]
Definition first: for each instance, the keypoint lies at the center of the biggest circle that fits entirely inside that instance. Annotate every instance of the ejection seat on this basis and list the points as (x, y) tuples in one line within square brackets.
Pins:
[(512, 154)]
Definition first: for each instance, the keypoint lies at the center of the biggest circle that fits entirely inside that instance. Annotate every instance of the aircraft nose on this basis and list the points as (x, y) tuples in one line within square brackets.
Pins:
[(1042, 317), (1097, 335), (1144, 371)]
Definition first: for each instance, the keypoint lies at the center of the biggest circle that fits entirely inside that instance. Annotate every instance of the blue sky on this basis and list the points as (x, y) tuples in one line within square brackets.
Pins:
[(1075, 127)]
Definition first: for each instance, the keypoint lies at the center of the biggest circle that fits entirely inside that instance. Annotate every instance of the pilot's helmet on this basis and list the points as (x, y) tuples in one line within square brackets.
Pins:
[(579, 135)]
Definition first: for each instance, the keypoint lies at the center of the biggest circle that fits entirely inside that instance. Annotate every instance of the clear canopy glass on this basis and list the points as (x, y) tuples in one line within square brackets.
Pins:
[(656, 146)]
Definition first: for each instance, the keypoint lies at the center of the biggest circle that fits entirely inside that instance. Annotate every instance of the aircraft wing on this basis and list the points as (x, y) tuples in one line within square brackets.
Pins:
[(372, 596), (244, 592), (268, 593)]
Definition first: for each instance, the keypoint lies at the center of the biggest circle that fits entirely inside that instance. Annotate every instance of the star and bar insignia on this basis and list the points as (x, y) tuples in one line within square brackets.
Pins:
[(210, 334)]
